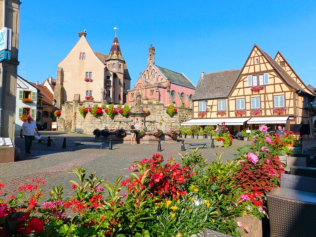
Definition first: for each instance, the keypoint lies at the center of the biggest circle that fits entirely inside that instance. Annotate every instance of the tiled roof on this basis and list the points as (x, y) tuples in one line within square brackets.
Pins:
[(311, 88), (45, 93), (216, 84), (101, 56), (115, 52), (176, 77), (284, 75), (51, 81)]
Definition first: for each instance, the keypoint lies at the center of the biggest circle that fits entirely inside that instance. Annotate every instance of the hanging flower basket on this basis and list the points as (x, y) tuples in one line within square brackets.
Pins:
[(221, 113), (96, 111), (120, 133), (256, 88), (256, 112), (202, 114), (146, 111), (124, 111), (140, 134), (27, 100), (240, 112), (157, 133), (171, 110), (57, 113), (83, 111), (89, 97), (111, 111)]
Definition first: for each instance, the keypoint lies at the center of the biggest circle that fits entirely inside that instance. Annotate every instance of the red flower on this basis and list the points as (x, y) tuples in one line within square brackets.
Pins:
[(175, 110), (255, 188), (35, 224), (73, 187), (121, 111), (32, 202)]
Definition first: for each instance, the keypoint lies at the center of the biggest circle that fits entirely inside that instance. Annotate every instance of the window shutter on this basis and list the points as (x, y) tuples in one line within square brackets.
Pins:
[(249, 80), (261, 80), (255, 81), (20, 112), (282, 102), (253, 103), (224, 105), (33, 113), (258, 103), (21, 95), (266, 78), (34, 96), (276, 102)]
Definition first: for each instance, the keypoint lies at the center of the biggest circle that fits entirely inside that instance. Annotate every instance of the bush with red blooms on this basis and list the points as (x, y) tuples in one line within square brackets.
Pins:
[(57, 113), (156, 179), (125, 111), (110, 111), (96, 111), (171, 110), (146, 111)]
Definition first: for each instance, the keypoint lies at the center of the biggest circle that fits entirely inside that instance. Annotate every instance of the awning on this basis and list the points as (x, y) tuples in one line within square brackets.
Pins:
[(265, 120), (227, 121)]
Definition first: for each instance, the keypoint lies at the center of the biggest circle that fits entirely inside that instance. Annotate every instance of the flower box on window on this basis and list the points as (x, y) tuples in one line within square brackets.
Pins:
[(240, 112), (256, 112), (24, 118), (256, 88), (87, 79), (279, 110), (221, 113), (202, 114), (27, 100), (89, 97)]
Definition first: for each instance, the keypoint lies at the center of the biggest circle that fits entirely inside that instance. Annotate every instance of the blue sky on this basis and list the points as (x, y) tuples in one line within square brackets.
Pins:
[(189, 36)]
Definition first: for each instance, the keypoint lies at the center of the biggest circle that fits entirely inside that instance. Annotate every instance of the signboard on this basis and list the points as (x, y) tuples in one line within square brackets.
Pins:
[(5, 39)]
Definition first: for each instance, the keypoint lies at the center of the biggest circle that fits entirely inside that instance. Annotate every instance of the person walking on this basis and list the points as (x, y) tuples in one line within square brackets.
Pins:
[(27, 129), (133, 133), (218, 129), (280, 131)]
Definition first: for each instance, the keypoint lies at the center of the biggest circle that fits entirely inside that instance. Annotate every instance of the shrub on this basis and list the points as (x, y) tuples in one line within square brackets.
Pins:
[(140, 134), (244, 133), (97, 132), (157, 102), (150, 102), (208, 130), (189, 132), (184, 130), (201, 132), (105, 132)]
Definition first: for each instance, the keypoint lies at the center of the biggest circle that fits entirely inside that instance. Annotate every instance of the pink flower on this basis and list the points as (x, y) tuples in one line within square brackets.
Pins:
[(48, 205), (244, 197), (144, 161), (260, 209), (268, 139), (281, 167), (131, 167), (264, 148), (267, 161), (239, 224), (98, 188), (263, 128), (247, 230), (252, 158)]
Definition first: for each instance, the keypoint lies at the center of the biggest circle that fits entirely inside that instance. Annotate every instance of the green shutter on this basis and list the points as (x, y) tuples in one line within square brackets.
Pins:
[(20, 112), (20, 95), (33, 96), (33, 113)]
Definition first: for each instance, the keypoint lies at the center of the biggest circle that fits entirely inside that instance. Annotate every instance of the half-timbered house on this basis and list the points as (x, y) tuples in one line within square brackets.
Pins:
[(264, 91)]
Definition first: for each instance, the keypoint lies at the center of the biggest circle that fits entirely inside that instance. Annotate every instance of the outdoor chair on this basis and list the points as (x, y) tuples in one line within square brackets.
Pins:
[(303, 171), (295, 161)]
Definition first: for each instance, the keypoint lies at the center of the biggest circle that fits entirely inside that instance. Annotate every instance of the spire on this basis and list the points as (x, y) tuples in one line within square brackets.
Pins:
[(151, 55), (201, 76), (115, 52)]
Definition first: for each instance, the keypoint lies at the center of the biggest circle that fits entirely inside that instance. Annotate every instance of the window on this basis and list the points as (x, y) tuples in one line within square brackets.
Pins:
[(263, 79), (113, 65), (26, 111), (82, 55), (182, 96), (190, 97), (202, 106), (240, 104), (119, 97), (257, 60), (124, 85), (151, 92), (156, 76), (173, 95), (279, 101), (147, 76), (282, 63), (221, 105), (88, 74), (88, 92), (255, 103), (120, 66), (305, 102), (132, 95)]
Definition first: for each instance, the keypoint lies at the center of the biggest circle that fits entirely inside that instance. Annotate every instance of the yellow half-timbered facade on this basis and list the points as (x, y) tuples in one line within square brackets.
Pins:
[(265, 90)]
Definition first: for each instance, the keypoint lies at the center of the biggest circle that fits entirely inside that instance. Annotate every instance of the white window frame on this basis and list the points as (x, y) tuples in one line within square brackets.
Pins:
[(255, 103), (221, 105), (255, 80), (277, 101), (202, 106), (240, 105)]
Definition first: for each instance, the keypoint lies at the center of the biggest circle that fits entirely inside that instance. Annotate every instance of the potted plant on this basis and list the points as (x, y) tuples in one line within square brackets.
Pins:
[(244, 134), (201, 134), (97, 133), (208, 131), (189, 133)]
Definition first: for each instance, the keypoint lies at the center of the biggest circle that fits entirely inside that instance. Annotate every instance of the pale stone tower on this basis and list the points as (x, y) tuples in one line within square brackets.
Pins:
[(59, 89), (151, 55)]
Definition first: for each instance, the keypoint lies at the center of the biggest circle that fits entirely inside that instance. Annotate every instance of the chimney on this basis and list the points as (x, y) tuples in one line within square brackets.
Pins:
[(151, 55), (37, 83), (84, 33), (202, 74)]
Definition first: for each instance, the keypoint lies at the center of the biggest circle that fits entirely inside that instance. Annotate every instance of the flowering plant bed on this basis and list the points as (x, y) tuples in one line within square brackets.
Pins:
[(105, 132), (96, 111), (157, 133), (256, 88), (240, 112), (146, 111), (27, 100), (125, 111), (57, 113), (83, 111), (120, 133), (171, 110), (140, 134), (221, 112), (25, 117), (202, 114), (280, 110), (110, 111), (256, 112), (89, 97), (172, 133)]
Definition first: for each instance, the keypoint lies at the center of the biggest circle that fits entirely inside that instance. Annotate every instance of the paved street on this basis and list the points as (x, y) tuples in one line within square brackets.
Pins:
[(54, 164)]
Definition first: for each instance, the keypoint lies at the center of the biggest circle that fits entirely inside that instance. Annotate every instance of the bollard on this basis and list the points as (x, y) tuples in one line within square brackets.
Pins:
[(159, 146), (49, 142), (182, 146), (212, 145), (64, 143), (110, 144)]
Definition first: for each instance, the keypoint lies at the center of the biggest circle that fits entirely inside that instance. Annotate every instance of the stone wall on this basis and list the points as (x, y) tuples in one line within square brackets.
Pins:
[(71, 119)]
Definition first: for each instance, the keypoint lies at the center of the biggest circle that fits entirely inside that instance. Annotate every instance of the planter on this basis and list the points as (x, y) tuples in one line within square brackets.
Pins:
[(200, 137), (219, 143), (283, 159), (296, 149), (245, 138), (209, 137), (189, 136)]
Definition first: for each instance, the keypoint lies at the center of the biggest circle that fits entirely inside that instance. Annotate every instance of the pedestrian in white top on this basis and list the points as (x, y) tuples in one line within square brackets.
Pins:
[(27, 129)]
